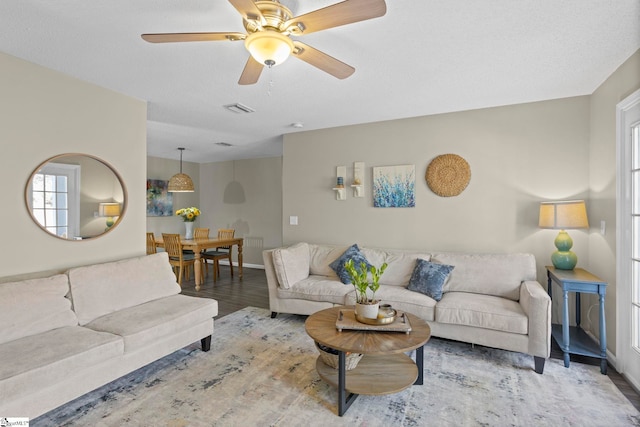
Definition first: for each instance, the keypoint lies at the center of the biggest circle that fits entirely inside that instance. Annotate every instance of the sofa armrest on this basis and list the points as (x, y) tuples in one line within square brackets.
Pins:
[(270, 271), (536, 304)]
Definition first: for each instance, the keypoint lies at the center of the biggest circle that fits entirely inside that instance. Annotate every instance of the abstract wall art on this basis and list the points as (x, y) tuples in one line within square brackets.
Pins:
[(394, 186), (159, 200)]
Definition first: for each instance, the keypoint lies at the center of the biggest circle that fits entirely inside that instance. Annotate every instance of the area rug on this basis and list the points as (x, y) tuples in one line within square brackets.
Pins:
[(261, 372)]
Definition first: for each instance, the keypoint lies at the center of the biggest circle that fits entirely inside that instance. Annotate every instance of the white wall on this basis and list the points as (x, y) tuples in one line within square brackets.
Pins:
[(44, 113)]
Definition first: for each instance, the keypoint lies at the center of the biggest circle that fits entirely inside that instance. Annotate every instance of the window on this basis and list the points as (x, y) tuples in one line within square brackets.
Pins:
[(54, 198)]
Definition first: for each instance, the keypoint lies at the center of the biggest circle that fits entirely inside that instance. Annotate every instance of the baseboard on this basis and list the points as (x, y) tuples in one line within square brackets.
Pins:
[(244, 264)]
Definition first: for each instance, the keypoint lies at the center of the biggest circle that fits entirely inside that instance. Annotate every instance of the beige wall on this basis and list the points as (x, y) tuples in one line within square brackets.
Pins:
[(219, 187), (258, 217), (164, 169), (519, 155), (44, 113), (602, 185)]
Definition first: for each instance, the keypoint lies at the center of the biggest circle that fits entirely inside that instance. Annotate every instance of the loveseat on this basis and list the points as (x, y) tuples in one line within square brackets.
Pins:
[(492, 300), (65, 335)]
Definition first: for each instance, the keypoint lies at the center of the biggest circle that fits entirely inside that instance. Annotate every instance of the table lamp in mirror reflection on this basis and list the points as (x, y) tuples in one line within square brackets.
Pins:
[(563, 215), (109, 210)]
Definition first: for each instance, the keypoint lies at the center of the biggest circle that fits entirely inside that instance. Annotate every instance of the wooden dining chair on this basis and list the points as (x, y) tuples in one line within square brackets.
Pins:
[(200, 233), (222, 252), (151, 244), (177, 258)]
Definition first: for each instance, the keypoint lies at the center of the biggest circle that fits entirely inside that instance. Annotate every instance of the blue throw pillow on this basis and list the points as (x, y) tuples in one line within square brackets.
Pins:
[(352, 253), (429, 278)]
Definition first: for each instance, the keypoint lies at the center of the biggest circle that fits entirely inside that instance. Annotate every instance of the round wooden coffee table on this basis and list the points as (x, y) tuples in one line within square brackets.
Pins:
[(384, 369)]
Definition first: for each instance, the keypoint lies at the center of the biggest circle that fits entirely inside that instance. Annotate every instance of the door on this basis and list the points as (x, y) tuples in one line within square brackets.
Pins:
[(628, 239)]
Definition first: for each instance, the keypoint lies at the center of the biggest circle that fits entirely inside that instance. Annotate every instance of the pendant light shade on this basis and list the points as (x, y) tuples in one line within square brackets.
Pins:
[(180, 182)]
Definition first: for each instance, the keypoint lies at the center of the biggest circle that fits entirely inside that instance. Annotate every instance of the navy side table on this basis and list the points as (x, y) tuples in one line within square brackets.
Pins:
[(573, 339)]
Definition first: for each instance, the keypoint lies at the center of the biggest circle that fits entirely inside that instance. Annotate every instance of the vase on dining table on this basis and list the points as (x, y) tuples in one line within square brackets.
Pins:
[(189, 230)]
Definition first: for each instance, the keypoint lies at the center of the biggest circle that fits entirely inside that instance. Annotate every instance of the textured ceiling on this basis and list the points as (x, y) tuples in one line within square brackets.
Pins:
[(423, 57)]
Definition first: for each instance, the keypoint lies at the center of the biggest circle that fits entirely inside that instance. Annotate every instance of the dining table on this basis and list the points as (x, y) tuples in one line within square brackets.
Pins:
[(197, 245)]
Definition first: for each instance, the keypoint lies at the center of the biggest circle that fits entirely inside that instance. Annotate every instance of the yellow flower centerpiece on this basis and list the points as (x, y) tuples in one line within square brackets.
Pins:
[(188, 214)]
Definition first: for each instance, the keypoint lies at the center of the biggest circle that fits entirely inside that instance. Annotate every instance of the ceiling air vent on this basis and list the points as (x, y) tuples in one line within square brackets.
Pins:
[(239, 108)]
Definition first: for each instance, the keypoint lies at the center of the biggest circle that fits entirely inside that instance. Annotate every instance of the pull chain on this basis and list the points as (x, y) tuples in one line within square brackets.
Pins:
[(271, 84)]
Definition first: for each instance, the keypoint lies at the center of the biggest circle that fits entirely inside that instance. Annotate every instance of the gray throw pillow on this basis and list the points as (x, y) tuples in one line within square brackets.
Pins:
[(429, 278), (353, 252)]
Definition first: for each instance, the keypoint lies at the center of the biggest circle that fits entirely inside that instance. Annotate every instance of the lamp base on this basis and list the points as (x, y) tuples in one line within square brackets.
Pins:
[(564, 260), (110, 223)]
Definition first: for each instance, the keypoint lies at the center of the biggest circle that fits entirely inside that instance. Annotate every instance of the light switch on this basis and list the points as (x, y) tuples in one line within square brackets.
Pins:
[(603, 227), (293, 220)]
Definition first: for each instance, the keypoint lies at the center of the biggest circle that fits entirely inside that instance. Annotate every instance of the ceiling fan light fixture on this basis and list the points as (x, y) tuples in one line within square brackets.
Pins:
[(269, 47)]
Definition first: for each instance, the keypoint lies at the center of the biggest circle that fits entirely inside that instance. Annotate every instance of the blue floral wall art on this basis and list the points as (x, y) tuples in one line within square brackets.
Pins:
[(394, 186)]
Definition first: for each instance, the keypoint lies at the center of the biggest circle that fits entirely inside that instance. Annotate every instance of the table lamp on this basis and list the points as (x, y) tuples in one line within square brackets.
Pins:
[(109, 210), (563, 215)]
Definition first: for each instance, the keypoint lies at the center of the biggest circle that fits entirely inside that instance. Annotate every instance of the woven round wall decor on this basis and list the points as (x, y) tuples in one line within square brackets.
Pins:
[(448, 175)]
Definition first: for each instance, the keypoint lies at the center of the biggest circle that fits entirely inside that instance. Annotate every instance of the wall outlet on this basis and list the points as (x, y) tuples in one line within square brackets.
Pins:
[(293, 220)]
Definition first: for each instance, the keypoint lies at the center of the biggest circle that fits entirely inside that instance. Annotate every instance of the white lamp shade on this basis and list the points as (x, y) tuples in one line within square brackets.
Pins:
[(563, 215), (266, 46)]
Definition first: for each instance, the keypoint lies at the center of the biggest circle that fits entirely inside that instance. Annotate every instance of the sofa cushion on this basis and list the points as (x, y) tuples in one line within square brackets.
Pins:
[(101, 289), (34, 306), (403, 299), (482, 311), (320, 256), (35, 362), (291, 264), (429, 278), (400, 264), (352, 253), (491, 274), (317, 288), (143, 324)]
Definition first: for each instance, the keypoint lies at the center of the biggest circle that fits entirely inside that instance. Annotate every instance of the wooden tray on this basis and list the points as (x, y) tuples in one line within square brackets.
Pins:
[(347, 320)]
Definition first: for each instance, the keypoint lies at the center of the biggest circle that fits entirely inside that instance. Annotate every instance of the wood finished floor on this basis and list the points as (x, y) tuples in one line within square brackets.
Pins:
[(234, 294)]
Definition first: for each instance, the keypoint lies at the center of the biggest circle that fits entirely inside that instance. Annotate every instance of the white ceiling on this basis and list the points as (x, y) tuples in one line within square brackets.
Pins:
[(423, 57)]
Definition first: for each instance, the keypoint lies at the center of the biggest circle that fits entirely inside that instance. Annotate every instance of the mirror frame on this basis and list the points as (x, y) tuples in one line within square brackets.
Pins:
[(28, 204)]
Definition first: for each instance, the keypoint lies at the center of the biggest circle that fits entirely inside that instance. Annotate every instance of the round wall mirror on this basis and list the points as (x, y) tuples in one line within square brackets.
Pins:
[(76, 196)]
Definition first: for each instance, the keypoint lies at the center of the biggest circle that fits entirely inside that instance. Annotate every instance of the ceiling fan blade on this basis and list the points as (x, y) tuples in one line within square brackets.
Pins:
[(321, 60), (343, 13), (251, 72), (192, 37), (247, 9)]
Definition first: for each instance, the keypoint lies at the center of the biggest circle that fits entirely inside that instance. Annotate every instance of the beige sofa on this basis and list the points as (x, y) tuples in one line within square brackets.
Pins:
[(492, 300), (65, 335)]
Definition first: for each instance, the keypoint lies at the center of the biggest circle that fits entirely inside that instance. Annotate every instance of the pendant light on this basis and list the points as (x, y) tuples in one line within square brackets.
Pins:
[(180, 182)]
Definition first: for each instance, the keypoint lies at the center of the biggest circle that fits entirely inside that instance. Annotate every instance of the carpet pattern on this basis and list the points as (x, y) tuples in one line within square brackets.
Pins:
[(261, 372)]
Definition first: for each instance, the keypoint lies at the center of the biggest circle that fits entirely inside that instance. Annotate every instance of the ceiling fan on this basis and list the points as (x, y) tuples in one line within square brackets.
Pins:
[(269, 26)]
